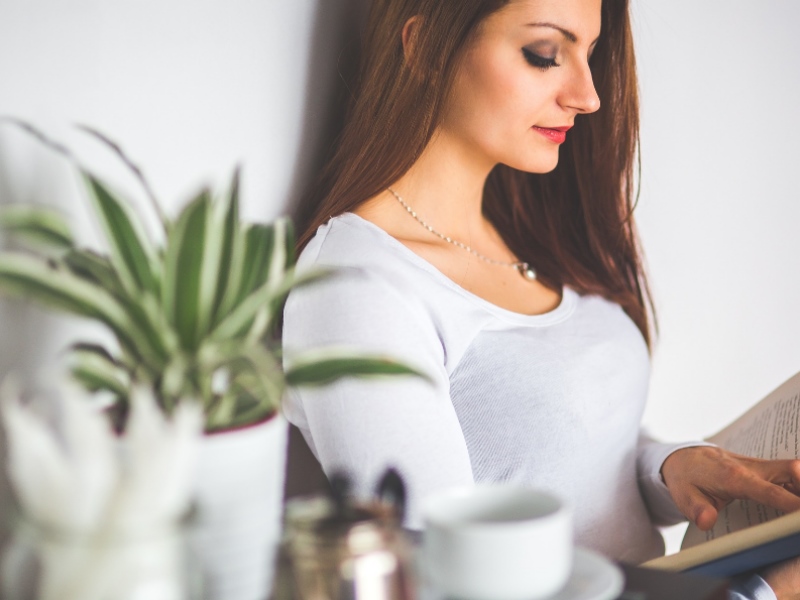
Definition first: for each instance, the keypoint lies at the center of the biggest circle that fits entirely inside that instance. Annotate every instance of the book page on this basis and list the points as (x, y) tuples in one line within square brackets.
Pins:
[(770, 430)]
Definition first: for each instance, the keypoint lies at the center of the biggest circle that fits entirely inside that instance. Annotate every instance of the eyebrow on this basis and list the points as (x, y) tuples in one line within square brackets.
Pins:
[(566, 32)]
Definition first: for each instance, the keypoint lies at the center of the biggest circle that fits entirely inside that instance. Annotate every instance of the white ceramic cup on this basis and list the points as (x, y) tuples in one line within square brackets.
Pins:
[(496, 542)]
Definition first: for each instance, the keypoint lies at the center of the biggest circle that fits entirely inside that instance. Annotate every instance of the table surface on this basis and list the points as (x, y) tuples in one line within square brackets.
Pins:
[(640, 584)]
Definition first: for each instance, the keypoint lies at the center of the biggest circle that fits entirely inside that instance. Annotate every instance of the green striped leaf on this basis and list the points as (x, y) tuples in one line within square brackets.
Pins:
[(220, 414), (148, 318), (239, 408), (27, 276), (183, 270), (259, 254), (131, 252), (230, 233), (260, 325), (235, 273), (143, 310), (255, 390), (259, 244), (290, 243), (217, 250), (97, 370), (173, 379), (60, 289), (321, 367), (241, 318), (283, 236), (94, 268), (95, 349), (267, 369), (37, 226), (248, 273)]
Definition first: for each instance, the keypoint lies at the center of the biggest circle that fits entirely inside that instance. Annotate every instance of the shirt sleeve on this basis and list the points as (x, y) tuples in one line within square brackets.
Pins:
[(363, 426), (650, 457), (750, 588)]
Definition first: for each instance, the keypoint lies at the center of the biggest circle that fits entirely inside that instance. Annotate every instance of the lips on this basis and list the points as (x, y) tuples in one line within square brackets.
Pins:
[(554, 134)]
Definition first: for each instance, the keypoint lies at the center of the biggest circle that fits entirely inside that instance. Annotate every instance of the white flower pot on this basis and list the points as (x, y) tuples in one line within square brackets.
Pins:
[(239, 496)]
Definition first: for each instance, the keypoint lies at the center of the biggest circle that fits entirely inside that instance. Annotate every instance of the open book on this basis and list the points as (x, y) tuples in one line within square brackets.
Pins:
[(748, 535)]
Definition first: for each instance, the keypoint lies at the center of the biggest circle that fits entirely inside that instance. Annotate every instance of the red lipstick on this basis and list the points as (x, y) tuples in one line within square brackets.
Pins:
[(554, 134)]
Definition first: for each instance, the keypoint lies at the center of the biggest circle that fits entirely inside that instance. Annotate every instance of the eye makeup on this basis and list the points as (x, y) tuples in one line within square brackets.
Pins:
[(539, 61)]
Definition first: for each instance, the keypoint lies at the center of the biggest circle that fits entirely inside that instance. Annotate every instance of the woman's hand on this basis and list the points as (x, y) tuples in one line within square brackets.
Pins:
[(703, 479)]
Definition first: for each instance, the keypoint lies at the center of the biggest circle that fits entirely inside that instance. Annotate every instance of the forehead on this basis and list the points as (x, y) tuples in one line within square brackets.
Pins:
[(581, 17)]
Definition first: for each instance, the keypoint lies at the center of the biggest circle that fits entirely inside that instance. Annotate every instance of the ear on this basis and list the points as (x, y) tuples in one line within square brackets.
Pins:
[(409, 37)]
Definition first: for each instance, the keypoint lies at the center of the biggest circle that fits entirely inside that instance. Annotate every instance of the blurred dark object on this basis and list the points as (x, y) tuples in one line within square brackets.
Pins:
[(651, 584), (304, 475), (392, 491), (343, 509), (340, 549)]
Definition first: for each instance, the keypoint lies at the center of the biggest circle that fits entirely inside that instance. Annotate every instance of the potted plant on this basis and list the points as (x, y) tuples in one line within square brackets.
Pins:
[(194, 318)]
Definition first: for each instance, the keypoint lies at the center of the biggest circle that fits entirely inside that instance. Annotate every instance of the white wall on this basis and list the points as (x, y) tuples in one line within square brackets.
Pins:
[(720, 204), (189, 88)]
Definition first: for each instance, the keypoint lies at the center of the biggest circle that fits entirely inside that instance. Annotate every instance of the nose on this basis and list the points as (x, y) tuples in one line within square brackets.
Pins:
[(579, 92)]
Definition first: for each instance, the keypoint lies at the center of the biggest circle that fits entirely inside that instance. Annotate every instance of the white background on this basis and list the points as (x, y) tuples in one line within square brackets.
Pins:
[(720, 204), (192, 88)]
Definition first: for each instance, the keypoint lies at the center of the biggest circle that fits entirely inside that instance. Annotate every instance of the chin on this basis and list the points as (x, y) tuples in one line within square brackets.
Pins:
[(535, 166), (539, 160)]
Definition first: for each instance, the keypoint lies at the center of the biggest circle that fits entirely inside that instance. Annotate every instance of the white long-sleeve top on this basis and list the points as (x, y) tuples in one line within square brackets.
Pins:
[(552, 401)]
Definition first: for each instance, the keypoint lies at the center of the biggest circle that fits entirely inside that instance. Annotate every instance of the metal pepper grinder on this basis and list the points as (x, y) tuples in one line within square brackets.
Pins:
[(338, 549)]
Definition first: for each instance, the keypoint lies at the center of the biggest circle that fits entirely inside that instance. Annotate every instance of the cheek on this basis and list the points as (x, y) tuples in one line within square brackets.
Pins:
[(496, 95)]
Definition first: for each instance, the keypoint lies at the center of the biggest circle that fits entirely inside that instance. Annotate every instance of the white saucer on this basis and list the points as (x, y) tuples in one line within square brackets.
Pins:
[(593, 577)]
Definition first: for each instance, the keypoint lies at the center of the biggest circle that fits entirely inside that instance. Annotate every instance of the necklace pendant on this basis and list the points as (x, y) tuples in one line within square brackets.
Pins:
[(526, 271)]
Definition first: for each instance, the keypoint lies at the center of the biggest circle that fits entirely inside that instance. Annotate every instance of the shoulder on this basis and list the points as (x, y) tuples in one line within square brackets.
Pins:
[(348, 240), (363, 259), (368, 294), (368, 264)]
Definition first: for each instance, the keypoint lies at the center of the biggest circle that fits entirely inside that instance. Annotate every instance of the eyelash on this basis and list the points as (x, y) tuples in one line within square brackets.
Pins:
[(540, 62)]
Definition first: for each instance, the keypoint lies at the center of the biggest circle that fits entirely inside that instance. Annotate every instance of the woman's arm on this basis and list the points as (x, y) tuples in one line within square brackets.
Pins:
[(365, 426)]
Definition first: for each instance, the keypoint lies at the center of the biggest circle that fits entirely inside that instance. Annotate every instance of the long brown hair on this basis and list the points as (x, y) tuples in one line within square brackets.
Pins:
[(574, 224)]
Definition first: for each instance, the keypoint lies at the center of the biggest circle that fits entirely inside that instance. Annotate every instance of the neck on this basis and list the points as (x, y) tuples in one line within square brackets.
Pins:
[(445, 186)]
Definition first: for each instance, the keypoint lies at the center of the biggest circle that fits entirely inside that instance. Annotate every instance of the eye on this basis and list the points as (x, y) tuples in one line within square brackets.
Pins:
[(540, 62)]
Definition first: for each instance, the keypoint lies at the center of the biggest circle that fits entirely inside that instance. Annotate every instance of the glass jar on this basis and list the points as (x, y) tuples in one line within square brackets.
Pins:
[(361, 554), (44, 563)]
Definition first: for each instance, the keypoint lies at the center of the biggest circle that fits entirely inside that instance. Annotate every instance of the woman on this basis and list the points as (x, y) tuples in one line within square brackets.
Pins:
[(478, 209)]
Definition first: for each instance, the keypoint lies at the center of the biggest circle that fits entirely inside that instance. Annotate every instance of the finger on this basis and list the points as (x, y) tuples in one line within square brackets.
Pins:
[(793, 469), (758, 490), (777, 471), (706, 517), (791, 487), (699, 509)]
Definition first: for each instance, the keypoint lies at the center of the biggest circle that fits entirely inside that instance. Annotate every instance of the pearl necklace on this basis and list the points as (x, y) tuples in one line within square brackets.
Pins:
[(523, 268)]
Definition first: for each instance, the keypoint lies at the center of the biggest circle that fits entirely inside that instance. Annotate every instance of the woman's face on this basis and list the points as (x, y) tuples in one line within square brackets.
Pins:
[(525, 74)]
